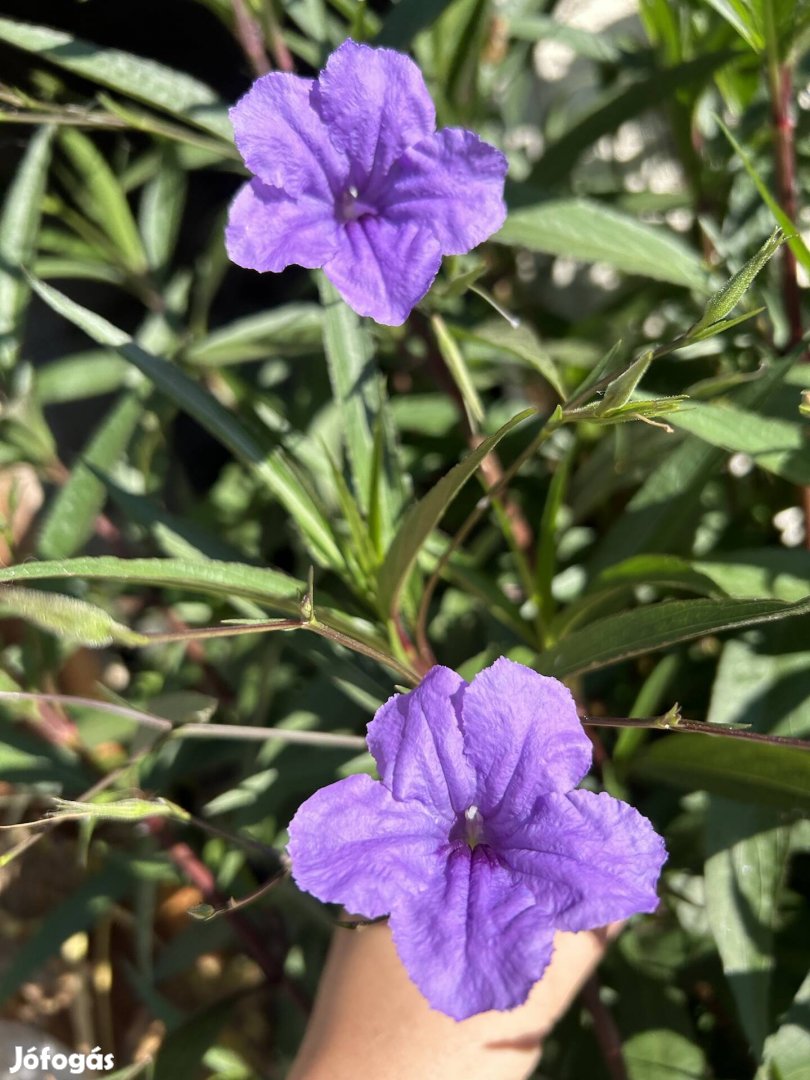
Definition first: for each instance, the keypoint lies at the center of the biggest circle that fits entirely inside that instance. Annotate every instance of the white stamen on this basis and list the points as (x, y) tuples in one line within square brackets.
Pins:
[(471, 813), (353, 191)]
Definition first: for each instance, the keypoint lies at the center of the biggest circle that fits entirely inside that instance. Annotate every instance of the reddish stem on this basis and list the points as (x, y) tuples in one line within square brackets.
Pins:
[(785, 167)]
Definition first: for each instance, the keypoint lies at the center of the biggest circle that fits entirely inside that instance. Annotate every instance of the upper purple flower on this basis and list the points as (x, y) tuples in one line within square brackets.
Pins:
[(474, 840), (351, 175)]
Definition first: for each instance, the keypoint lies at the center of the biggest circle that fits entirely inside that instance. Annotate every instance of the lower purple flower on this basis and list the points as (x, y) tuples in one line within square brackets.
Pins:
[(474, 839)]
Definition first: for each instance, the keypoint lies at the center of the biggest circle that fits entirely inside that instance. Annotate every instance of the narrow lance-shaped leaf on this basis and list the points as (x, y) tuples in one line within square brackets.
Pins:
[(359, 394), (657, 626), (460, 372), (263, 585), (67, 617), (98, 191), (282, 331), (587, 230), (162, 202), (19, 222), (749, 771), (72, 514), (726, 299), (794, 240)]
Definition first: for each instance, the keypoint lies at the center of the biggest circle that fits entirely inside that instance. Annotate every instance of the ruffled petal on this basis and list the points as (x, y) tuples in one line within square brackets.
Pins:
[(351, 843), (597, 855), (524, 739), (416, 741), (476, 940), (383, 270), (375, 104), (452, 182), (267, 230), (282, 139)]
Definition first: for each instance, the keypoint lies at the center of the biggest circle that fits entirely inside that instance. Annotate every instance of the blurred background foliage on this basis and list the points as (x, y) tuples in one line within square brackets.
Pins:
[(184, 443)]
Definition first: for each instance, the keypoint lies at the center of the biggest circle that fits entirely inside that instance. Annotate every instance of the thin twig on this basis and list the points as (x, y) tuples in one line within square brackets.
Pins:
[(475, 515), (693, 727), (263, 734), (248, 33), (607, 1033)]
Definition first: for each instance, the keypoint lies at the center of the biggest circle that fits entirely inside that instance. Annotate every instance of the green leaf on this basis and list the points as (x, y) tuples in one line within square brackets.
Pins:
[(657, 626), (72, 514), (406, 19), (747, 853), (19, 222), (662, 514), (739, 14), (662, 1054), (759, 682), (425, 515), (67, 617), (85, 374), (460, 373), (774, 573), (726, 299), (145, 80), (546, 557), (587, 230), (284, 331), (359, 394), (735, 768), (601, 47), (263, 585), (274, 470), (119, 809), (520, 342), (787, 1051), (161, 211), (98, 191), (776, 445), (794, 240)]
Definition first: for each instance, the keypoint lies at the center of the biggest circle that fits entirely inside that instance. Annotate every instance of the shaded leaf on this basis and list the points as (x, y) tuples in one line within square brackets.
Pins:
[(425, 515), (19, 222), (747, 851), (735, 768), (657, 626), (145, 80)]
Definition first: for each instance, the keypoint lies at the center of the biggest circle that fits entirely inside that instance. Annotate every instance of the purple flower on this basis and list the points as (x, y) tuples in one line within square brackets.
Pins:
[(475, 840), (351, 175)]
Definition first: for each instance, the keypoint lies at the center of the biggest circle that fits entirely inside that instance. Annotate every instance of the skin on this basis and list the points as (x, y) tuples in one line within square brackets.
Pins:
[(370, 1020)]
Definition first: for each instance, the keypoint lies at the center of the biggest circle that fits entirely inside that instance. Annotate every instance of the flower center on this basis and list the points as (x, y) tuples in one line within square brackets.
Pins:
[(351, 207), (473, 827)]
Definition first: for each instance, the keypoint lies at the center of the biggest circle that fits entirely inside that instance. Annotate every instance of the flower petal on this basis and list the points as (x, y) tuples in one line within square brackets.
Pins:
[(282, 139), (524, 739), (351, 843), (375, 104), (453, 183), (384, 270), (416, 741), (267, 230), (605, 854), (475, 940)]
